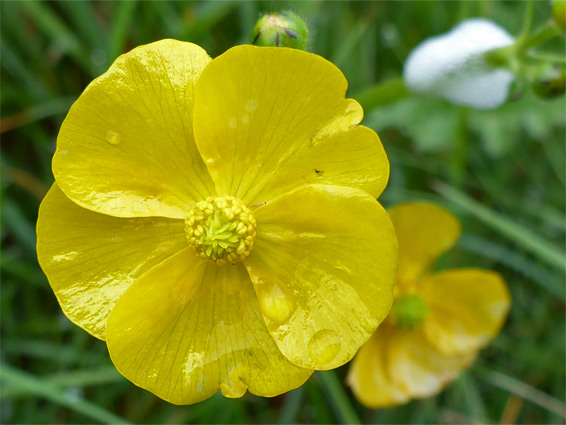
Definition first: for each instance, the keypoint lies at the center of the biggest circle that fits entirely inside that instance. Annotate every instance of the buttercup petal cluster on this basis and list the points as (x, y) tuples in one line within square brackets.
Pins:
[(452, 65), (439, 320), (215, 220)]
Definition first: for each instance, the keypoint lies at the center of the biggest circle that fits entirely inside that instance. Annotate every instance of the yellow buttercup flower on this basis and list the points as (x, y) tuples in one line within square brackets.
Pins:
[(215, 222), (439, 320)]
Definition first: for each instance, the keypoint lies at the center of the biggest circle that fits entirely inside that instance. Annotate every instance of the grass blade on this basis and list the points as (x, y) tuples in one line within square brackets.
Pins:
[(499, 253), (77, 378), (543, 249), (37, 112), (15, 67), (51, 351), (81, 14), (55, 28), (525, 391), (34, 386), (208, 14), (14, 220), (123, 16)]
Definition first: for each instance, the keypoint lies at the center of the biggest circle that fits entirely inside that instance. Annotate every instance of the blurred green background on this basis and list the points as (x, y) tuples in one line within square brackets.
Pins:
[(502, 172)]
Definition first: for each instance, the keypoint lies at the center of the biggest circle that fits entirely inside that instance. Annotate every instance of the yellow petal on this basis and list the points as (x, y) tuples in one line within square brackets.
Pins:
[(189, 327), (270, 119), (425, 232), (370, 375), (126, 147), (418, 369), (467, 308), (90, 259), (323, 267)]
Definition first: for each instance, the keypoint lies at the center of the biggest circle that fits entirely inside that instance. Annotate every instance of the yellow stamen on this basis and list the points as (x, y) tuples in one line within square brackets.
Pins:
[(221, 229)]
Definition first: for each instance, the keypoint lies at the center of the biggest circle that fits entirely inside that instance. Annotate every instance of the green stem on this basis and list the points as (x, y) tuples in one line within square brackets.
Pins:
[(382, 94), (539, 37), (460, 153), (528, 21), (335, 391), (547, 57), (291, 406), (510, 56)]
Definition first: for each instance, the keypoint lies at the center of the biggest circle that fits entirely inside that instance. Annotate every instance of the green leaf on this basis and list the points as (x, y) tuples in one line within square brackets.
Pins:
[(501, 129), (430, 123)]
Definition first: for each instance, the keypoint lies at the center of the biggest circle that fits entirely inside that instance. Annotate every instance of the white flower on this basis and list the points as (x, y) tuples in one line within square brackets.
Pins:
[(452, 65)]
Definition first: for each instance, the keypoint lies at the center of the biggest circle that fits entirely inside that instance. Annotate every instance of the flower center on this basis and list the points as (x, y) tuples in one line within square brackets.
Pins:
[(409, 311), (221, 228)]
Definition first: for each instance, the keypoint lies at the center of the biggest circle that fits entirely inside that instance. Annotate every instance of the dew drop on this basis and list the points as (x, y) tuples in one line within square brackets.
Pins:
[(193, 363), (251, 105), (275, 304), (324, 346), (233, 123), (113, 138), (233, 386), (246, 119)]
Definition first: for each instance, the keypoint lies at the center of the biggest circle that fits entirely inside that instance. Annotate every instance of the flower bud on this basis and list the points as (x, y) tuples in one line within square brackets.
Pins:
[(549, 81), (453, 66), (283, 29)]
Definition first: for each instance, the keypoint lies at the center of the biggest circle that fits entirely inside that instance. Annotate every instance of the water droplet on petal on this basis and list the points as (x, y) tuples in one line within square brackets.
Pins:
[(113, 138), (234, 386), (246, 119), (233, 123), (275, 304), (193, 361), (193, 371), (324, 346), (251, 105)]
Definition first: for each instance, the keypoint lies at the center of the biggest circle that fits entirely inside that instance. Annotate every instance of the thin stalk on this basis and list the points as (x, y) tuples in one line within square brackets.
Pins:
[(458, 164), (539, 37), (547, 57), (382, 94), (335, 391), (528, 20), (510, 56), (291, 406)]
